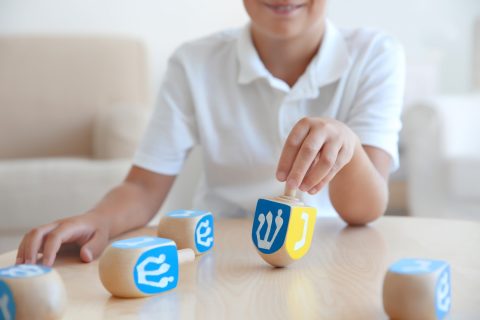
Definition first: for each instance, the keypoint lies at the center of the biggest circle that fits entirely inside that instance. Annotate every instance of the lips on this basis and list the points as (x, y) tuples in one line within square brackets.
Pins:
[(284, 8)]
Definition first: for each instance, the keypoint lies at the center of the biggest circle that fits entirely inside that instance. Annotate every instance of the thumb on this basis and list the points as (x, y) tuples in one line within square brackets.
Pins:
[(93, 247)]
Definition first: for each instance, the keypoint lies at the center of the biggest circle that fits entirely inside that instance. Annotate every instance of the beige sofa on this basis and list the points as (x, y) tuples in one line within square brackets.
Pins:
[(72, 110)]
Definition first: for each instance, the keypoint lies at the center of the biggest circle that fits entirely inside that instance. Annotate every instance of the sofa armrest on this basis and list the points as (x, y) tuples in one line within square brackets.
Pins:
[(442, 152), (425, 171), (450, 122), (460, 129), (117, 132)]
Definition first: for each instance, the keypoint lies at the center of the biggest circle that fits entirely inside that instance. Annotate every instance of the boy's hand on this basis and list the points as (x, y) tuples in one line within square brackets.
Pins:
[(314, 152), (87, 230)]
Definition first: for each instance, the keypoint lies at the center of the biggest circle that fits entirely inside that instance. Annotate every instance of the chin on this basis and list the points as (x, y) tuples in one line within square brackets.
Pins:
[(284, 18), (280, 30)]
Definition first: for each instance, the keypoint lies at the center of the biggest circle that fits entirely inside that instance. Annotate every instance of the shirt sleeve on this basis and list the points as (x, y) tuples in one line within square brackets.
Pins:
[(171, 132), (375, 115)]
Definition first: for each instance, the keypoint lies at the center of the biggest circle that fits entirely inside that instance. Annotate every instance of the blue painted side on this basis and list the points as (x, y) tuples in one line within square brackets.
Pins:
[(24, 271), (187, 213), (417, 266), (443, 286), (141, 242), (204, 233), (156, 270), (279, 212), (7, 303), (443, 294)]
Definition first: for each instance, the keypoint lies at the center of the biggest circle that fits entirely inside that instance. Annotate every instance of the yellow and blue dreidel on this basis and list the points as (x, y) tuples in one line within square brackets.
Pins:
[(283, 229)]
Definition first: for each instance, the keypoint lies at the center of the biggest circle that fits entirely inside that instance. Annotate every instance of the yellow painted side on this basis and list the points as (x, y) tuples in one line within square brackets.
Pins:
[(299, 237)]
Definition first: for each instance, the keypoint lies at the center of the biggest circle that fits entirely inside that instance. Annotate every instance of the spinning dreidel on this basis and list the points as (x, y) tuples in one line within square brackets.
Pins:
[(189, 229), (142, 266), (29, 291), (282, 229)]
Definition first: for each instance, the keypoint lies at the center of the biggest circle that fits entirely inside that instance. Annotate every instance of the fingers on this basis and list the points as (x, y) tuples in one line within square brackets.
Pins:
[(20, 256), (66, 232), (328, 158), (31, 244), (94, 247), (83, 230), (291, 148), (305, 157), (314, 152), (342, 160)]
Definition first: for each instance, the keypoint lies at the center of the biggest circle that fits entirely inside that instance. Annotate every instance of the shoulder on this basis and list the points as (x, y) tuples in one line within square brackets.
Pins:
[(369, 44)]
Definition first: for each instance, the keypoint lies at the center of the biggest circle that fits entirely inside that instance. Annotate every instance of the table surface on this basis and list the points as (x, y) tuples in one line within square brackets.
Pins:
[(340, 278)]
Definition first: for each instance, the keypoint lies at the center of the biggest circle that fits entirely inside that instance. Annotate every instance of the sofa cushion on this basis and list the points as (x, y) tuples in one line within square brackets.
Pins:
[(51, 88), (38, 191), (117, 132)]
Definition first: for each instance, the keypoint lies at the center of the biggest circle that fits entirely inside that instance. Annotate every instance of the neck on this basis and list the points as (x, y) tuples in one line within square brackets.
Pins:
[(287, 59)]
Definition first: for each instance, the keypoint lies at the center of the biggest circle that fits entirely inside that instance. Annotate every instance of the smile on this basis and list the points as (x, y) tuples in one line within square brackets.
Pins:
[(284, 9)]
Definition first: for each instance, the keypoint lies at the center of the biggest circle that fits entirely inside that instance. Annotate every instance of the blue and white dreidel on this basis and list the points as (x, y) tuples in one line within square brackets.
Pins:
[(189, 229), (282, 229), (142, 266), (29, 291), (417, 289)]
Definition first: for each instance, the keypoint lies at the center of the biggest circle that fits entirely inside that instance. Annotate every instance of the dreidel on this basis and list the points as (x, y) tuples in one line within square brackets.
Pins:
[(189, 229), (283, 228), (417, 289), (30, 291), (142, 266)]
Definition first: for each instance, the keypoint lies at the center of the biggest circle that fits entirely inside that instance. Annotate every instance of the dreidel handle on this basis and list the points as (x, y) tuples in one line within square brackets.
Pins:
[(185, 255), (290, 192)]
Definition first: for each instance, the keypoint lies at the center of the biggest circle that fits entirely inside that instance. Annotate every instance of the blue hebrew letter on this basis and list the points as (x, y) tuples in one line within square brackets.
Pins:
[(204, 233), (156, 269), (270, 225), (23, 271), (443, 292), (7, 304)]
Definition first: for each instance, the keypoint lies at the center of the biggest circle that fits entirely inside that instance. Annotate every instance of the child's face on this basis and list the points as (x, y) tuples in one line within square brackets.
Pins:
[(285, 18)]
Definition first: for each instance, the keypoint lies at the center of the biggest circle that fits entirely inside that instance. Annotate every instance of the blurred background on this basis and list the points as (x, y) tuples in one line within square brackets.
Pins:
[(78, 79)]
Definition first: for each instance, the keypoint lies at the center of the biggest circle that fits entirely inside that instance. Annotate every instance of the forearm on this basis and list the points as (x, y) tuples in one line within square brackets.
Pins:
[(359, 193), (131, 204)]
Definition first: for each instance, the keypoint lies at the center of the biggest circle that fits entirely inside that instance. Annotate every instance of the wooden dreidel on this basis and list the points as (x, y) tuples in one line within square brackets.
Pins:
[(282, 229), (29, 291), (142, 266), (189, 229), (417, 289)]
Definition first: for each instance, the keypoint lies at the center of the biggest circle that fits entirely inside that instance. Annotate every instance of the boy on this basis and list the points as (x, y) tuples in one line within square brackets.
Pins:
[(290, 97)]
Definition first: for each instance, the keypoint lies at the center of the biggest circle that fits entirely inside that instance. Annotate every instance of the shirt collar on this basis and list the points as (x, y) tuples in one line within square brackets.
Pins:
[(326, 67), (250, 65)]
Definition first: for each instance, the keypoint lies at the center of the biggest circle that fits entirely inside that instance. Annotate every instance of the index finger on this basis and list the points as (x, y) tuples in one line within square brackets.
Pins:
[(31, 243), (305, 159), (290, 149)]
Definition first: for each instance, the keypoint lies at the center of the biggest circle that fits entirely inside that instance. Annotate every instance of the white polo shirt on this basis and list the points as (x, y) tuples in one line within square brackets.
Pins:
[(217, 93)]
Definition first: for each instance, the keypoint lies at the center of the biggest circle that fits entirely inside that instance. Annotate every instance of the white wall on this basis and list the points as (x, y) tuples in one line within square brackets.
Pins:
[(430, 29), (162, 24)]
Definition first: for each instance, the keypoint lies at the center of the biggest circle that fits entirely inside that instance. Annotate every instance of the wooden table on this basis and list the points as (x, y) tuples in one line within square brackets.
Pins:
[(340, 278)]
